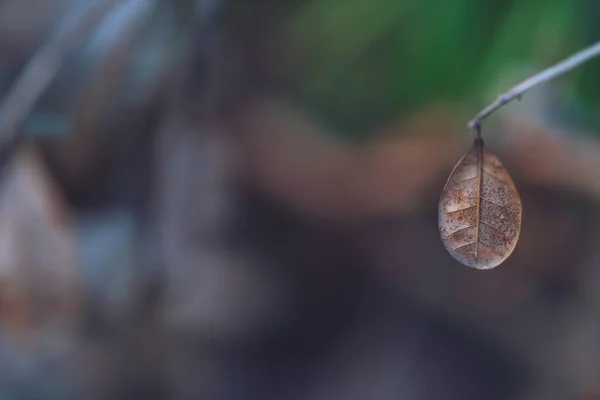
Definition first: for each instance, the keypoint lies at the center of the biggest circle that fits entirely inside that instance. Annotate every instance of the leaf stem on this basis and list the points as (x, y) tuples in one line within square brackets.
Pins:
[(546, 75)]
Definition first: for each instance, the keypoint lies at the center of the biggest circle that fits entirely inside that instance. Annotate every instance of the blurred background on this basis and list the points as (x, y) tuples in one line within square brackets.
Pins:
[(232, 200)]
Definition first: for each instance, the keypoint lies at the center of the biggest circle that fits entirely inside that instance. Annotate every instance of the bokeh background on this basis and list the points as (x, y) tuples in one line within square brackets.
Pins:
[(237, 200)]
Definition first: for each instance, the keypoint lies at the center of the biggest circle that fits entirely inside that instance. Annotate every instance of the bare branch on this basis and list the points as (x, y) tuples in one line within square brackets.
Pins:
[(44, 65), (548, 74)]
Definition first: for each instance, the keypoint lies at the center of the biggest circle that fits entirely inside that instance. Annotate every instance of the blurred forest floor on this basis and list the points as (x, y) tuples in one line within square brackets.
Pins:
[(238, 200)]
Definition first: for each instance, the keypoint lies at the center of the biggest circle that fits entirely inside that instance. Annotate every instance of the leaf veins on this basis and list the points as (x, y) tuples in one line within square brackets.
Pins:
[(479, 214)]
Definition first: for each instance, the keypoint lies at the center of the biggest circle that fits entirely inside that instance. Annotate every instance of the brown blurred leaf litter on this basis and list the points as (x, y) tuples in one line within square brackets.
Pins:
[(480, 210), (40, 299)]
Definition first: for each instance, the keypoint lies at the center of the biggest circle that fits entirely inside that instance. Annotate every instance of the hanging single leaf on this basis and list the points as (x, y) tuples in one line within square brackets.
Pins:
[(480, 210)]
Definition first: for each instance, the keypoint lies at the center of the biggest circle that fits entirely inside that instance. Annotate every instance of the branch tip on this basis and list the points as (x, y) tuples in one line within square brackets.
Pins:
[(546, 75)]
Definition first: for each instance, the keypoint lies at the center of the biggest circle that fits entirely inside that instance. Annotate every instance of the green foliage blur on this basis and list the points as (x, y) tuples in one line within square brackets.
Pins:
[(359, 63)]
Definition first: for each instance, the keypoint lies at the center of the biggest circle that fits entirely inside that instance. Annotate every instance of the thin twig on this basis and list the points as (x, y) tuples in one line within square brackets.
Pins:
[(548, 74), (44, 65), (104, 82)]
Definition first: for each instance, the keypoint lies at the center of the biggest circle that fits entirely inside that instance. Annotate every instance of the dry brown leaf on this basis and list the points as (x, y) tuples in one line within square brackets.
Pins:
[(38, 266), (480, 210)]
